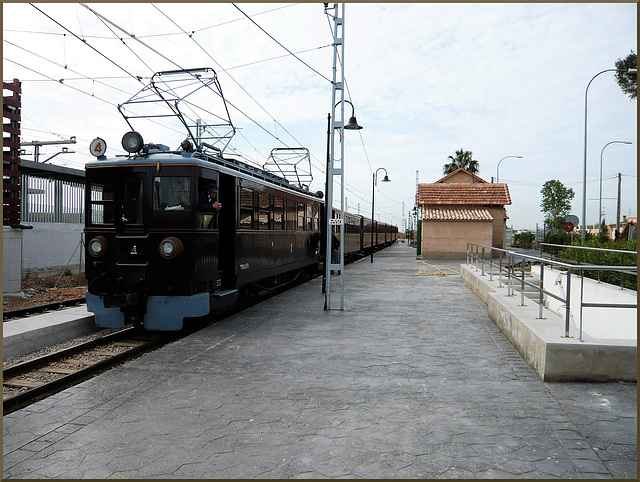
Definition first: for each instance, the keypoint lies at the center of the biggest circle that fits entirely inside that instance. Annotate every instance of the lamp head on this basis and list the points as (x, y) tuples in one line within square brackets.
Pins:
[(352, 124), (132, 142), (386, 179)]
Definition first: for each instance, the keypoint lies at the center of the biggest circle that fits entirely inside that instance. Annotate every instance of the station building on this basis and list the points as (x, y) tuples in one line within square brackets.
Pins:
[(458, 209)]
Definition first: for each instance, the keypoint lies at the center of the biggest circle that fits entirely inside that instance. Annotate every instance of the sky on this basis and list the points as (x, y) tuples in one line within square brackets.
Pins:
[(425, 80)]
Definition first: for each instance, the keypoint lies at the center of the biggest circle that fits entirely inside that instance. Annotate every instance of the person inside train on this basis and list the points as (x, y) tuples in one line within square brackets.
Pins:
[(208, 199)]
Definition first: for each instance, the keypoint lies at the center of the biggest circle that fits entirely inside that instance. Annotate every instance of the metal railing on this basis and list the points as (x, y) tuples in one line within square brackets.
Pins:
[(488, 258), (585, 249)]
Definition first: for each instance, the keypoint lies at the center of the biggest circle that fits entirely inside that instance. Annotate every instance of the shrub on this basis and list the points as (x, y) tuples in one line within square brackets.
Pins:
[(601, 258), (524, 240)]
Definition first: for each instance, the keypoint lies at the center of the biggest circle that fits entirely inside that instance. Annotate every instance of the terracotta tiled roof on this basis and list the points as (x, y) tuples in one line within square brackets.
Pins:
[(481, 194), (462, 214)]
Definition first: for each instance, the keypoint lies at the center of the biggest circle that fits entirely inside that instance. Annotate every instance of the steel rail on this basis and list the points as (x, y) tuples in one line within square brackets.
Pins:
[(39, 392)]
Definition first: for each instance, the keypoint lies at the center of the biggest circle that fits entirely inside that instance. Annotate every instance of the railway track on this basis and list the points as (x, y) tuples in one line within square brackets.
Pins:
[(33, 380)]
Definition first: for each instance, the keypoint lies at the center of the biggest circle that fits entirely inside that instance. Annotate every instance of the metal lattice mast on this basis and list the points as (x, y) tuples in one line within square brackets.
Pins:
[(336, 166)]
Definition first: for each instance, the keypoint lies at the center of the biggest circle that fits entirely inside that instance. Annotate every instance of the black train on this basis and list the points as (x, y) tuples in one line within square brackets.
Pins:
[(154, 258)]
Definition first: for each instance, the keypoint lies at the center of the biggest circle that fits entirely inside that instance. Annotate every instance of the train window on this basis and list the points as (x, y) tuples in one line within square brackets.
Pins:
[(309, 217), (101, 204), (264, 211), (301, 210), (171, 193), (133, 201), (246, 209), (292, 215), (316, 216), (278, 213)]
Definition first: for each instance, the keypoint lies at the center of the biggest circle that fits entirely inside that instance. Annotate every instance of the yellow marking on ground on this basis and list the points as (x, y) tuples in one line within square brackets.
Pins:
[(439, 271)]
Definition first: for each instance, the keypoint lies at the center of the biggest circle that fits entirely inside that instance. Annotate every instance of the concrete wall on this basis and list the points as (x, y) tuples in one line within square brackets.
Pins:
[(51, 245), (448, 239), (598, 323), (46, 247), (11, 260)]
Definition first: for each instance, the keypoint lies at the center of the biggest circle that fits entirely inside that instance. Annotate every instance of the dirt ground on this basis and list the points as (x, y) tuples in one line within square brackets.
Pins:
[(41, 290)]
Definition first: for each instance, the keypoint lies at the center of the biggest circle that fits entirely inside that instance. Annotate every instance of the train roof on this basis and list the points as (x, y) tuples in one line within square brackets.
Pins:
[(229, 166)]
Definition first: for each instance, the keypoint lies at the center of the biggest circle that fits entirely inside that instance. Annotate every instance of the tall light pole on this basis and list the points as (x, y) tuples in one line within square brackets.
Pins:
[(584, 170), (373, 196), (498, 168), (335, 167), (600, 205)]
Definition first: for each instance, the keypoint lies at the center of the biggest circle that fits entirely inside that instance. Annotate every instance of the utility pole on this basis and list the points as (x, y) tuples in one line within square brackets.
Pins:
[(404, 222), (335, 171), (618, 209)]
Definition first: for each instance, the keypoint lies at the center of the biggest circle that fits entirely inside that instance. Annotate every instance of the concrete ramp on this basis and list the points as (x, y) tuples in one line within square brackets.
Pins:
[(542, 341)]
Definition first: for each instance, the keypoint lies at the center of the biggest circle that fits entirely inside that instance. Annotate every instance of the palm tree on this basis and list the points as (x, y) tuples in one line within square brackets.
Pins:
[(463, 159)]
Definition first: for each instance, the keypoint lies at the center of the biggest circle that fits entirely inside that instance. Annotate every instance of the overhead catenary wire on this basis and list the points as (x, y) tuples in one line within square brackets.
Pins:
[(276, 41), (56, 80), (87, 44), (83, 77), (104, 19), (153, 35)]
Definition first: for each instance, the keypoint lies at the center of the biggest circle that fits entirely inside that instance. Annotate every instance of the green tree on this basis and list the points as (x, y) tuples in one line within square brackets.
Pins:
[(556, 203), (628, 82), (463, 159), (603, 235)]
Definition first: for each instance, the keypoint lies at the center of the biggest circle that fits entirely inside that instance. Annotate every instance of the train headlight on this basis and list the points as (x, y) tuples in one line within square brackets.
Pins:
[(97, 247), (171, 247), (132, 142)]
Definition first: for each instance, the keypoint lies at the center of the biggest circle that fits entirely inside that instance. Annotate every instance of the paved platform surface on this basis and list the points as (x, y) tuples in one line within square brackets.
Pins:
[(411, 380)]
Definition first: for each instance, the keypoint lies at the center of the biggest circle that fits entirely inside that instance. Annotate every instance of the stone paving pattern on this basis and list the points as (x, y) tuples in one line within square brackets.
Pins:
[(411, 380)]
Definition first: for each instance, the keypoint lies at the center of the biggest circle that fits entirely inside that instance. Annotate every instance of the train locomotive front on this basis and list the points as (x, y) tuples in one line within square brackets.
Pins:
[(144, 251)]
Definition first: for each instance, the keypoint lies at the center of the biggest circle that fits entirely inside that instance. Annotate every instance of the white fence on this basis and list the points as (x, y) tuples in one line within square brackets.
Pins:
[(51, 200)]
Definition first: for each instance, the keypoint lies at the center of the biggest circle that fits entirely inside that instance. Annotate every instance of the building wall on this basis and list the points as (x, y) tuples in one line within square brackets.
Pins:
[(461, 177), (448, 239), (499, 226)]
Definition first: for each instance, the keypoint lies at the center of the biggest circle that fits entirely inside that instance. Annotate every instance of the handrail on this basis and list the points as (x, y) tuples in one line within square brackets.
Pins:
[(474, 257), (566, 246)]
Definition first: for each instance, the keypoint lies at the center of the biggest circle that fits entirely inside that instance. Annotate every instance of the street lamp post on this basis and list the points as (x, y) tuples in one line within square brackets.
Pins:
[(584, 170), (600, 205), (373, 195), (335, 160), (498, 168)]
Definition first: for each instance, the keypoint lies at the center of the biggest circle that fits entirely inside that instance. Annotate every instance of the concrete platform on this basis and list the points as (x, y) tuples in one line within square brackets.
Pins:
[(39, 331), (542, 341), (411, 380)]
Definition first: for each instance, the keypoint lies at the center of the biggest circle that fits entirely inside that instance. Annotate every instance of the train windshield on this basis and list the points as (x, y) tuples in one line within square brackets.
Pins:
[(171, 193)]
